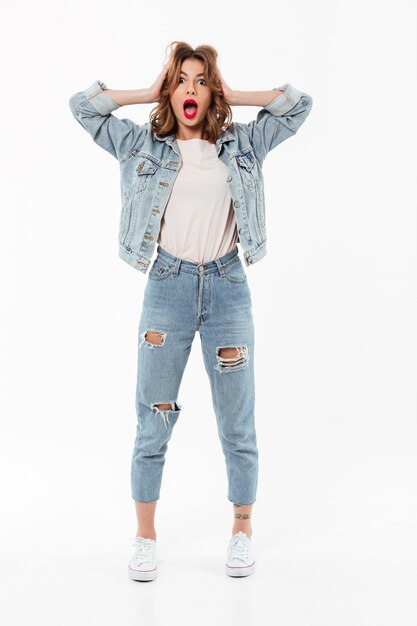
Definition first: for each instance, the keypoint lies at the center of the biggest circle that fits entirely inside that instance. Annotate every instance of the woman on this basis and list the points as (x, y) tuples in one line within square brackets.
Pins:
[(192, 183)]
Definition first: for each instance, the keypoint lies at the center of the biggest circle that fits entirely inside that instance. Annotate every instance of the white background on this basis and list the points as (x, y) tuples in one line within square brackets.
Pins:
[(334, 304)]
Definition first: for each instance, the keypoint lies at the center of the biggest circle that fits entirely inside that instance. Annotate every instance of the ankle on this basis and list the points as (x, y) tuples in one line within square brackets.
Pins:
[(146, 535), (247, 531)]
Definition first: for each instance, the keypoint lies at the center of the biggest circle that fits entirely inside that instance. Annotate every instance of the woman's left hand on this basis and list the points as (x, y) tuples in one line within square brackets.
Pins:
[(227, 91)]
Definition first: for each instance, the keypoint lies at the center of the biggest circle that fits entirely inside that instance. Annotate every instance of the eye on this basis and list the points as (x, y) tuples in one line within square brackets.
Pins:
[(200, 79)]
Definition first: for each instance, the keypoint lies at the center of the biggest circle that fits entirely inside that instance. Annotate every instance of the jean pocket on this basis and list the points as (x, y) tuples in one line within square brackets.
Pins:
[(235, 272), (160, 270)]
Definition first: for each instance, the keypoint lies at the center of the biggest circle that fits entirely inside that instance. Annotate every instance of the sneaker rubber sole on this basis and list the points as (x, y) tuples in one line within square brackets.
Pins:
[(240, 571), (142, 575)]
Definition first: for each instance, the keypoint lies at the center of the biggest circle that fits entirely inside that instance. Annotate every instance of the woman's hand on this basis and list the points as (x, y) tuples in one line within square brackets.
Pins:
[(227, 91), (155, 89)]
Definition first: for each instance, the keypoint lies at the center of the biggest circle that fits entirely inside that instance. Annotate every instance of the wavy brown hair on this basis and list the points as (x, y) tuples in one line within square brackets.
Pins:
[(219, 114)]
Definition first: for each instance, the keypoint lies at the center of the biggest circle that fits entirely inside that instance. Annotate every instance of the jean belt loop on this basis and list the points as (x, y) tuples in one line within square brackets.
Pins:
[(176, 267), (220, 267)]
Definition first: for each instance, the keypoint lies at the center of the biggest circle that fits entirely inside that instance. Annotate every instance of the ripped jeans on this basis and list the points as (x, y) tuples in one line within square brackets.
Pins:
[(181, 298)]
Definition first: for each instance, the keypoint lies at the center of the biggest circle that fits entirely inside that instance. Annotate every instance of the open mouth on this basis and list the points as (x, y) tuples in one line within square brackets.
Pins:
[(190, 108)]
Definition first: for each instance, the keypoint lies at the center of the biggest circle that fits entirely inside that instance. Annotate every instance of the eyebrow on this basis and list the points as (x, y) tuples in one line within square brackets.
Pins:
[(185, 74)]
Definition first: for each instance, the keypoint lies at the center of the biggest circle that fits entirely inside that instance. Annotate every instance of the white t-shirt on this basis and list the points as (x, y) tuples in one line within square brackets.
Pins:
[(199, 223)]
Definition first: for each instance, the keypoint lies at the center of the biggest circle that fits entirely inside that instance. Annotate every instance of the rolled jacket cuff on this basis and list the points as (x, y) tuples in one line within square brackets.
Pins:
[(99, 99), (285, 101)]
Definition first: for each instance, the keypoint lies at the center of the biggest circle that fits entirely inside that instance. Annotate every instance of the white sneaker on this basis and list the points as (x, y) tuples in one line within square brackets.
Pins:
[(142, 565), (240, 559)]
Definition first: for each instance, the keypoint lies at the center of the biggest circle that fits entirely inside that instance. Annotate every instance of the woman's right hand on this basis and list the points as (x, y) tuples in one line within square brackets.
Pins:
[(155, 88)]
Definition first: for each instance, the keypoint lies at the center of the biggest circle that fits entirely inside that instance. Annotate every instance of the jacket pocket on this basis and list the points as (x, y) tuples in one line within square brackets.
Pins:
[(247, 161), (145, 169), (247, 170), (249, 176)]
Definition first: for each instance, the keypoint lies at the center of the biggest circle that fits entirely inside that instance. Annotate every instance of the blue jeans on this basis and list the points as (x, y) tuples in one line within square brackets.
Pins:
[(180, 298)]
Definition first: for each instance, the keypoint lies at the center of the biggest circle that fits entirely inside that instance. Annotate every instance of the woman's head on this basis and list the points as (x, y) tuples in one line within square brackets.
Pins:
[(192, 75)]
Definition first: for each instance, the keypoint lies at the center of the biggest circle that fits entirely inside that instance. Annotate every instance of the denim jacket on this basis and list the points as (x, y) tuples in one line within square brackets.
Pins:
[(149, 166)]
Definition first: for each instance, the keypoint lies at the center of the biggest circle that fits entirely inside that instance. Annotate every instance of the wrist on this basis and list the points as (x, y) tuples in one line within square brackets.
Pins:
[(233, 98)]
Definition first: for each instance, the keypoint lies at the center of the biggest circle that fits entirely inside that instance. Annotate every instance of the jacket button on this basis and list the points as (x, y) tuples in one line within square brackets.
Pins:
[(241, 230), (237, 203), (229, 178)]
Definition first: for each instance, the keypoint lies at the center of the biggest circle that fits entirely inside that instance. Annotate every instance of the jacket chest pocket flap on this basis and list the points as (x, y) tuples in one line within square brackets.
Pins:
[(246, 163), (145, 169)]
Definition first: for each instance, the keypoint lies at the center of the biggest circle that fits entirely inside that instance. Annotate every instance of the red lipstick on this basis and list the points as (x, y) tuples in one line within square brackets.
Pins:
[(190, 111)]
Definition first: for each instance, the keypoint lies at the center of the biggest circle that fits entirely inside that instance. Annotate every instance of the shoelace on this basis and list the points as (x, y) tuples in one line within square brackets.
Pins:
[(239, 547), (146, 550)]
